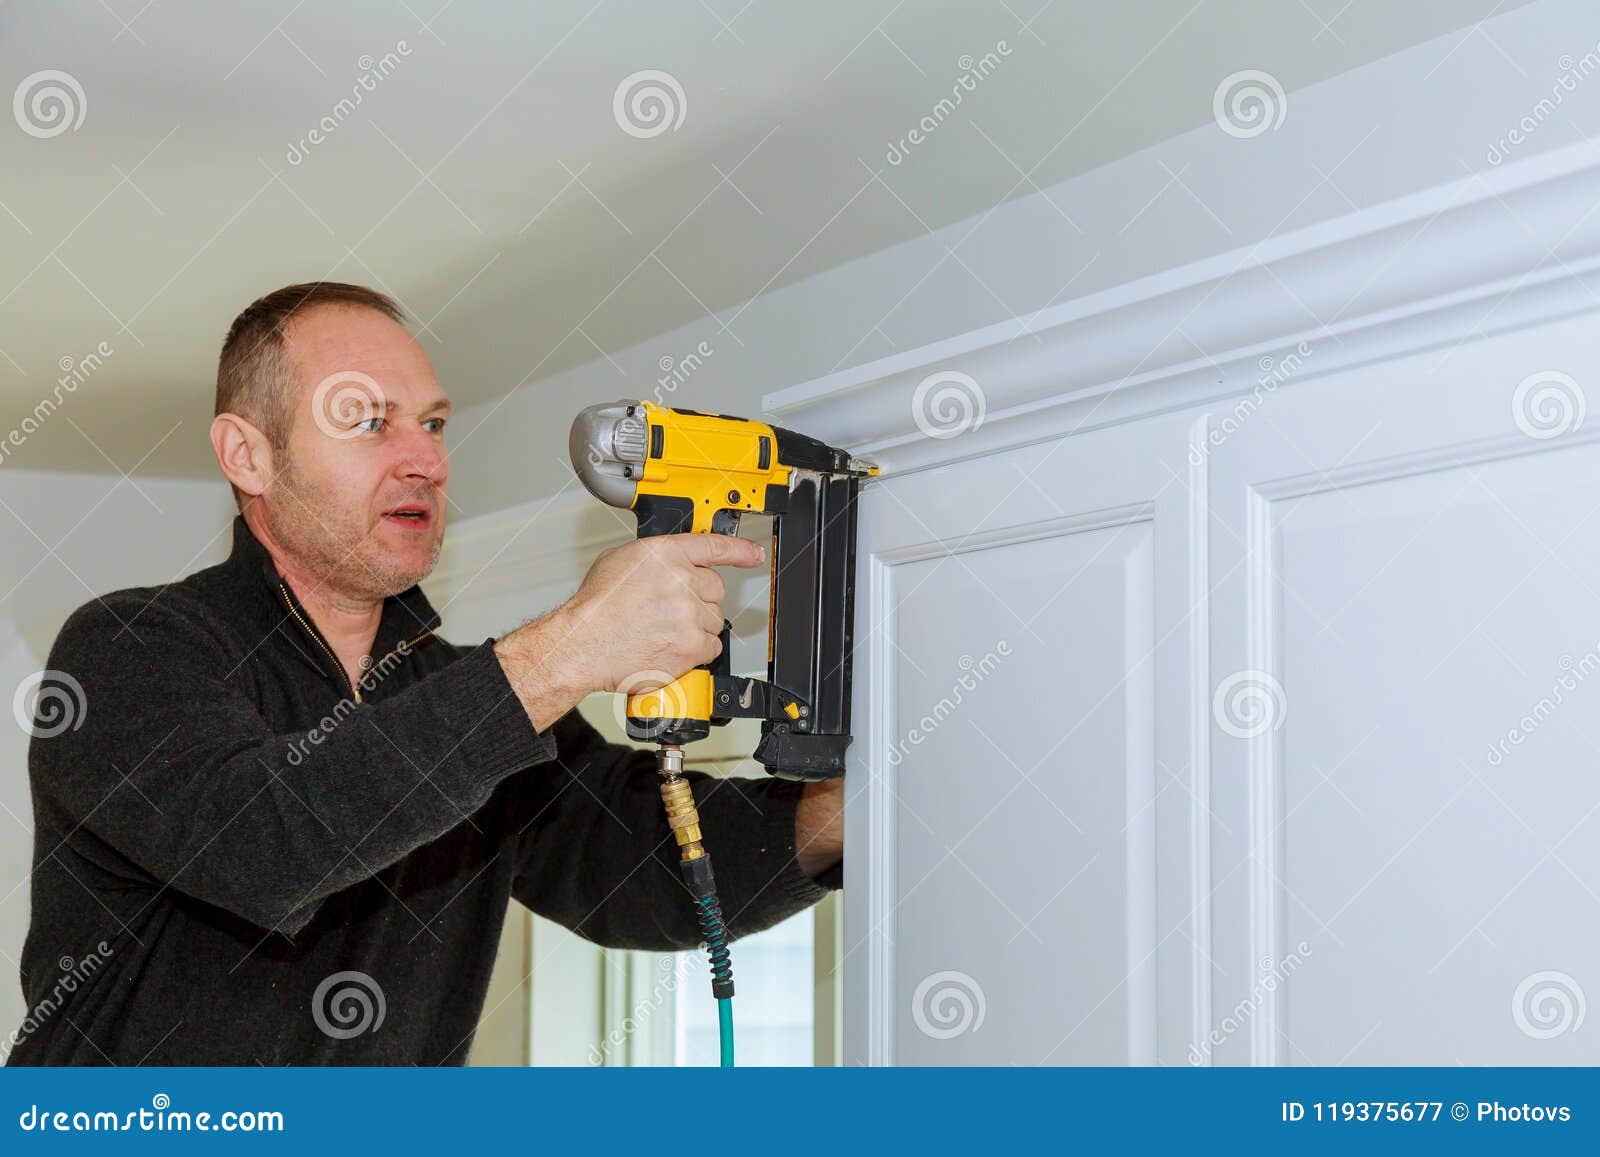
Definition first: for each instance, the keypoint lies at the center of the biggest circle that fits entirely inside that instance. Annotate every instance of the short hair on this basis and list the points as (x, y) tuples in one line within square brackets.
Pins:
[(255, 377)]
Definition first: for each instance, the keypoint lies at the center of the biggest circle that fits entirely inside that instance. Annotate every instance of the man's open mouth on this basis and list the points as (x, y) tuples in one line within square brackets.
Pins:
[(412, 515)]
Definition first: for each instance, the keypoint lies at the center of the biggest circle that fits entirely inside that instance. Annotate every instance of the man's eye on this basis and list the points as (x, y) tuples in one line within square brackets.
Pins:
[(368, 424), (436, 425)]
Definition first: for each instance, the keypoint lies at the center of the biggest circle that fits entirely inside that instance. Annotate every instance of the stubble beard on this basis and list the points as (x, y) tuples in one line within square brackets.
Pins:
[(337, 544)]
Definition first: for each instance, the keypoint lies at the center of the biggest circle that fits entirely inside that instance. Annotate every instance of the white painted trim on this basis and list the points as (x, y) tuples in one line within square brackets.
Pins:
[(529, 544), (1265, 762), (1198, 677), (1489, 252)]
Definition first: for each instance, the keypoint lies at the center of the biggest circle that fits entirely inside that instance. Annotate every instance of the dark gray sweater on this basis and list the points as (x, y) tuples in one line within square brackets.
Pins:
[(235, 862)]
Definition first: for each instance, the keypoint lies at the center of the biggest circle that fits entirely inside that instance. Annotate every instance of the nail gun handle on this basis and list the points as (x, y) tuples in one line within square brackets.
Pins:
[(663, 514), (680, 712), (676, 514)]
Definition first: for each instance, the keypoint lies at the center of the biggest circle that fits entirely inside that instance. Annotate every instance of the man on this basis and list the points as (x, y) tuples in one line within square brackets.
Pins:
[(288, 820)]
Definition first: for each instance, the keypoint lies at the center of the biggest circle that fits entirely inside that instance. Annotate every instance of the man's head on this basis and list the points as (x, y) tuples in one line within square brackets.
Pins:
[(328, 418)]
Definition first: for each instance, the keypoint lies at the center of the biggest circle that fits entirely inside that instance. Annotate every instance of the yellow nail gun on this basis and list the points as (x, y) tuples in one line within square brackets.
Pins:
[(682, 471)]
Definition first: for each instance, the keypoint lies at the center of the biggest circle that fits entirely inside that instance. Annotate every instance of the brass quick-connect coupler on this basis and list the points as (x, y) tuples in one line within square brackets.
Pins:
[(678, 798)]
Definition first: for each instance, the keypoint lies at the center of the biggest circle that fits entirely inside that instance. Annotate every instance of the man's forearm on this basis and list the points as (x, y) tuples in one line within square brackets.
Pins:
[(819, 826), (539, 665), (538, 661)]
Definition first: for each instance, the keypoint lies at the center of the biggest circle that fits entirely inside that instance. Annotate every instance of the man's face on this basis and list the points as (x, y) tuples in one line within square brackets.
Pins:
[(367, 441)]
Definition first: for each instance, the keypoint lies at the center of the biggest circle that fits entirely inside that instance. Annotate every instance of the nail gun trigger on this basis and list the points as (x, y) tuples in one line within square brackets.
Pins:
[(749, 690)]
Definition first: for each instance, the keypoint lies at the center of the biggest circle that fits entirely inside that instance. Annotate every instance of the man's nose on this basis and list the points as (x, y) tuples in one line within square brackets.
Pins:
[(422, 457)]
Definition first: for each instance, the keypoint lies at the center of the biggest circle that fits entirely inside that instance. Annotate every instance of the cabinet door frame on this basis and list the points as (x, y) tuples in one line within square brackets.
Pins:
[(1124, 476)]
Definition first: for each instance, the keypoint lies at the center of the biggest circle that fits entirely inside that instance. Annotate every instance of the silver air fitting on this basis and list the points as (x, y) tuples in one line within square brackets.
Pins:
[(669, 761)]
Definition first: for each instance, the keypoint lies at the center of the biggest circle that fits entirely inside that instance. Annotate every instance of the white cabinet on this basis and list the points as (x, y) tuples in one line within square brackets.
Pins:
[(1239, 707)]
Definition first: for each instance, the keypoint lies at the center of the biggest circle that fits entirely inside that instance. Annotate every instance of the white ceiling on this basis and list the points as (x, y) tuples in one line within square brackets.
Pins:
[(485, 181)]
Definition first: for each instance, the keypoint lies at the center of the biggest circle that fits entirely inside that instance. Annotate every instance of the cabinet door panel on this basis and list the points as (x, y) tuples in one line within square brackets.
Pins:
[(1007, 898), (1406, 836)]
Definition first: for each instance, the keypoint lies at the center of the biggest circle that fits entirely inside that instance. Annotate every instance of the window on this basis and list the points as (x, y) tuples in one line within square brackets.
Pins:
[(657, 1008), (773, 1015)]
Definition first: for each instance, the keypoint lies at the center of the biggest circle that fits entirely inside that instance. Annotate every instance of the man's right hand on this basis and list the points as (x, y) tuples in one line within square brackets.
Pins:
[(653, 605)]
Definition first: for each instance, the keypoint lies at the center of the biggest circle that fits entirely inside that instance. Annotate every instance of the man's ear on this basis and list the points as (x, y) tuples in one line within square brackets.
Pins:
[(243, 452)]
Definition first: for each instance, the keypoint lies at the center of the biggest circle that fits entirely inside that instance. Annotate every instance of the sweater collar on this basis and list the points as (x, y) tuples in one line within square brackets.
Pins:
[(405, 617)]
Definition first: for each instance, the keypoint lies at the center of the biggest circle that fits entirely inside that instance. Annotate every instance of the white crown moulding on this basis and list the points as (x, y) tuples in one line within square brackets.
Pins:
[(1490, 252)]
